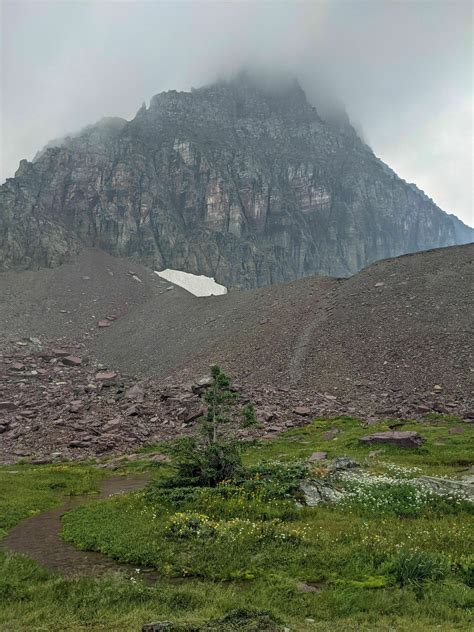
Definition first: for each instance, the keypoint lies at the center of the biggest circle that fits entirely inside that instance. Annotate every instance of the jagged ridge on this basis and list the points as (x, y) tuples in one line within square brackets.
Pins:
[(237, 181)]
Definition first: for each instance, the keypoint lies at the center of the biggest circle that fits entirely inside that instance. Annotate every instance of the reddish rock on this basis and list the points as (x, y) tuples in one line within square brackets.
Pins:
[(402, 439), (190, 414), (103, 323), (266, 414), (76, 405), (8, 406), (17, 366), (133, 411), (71, 360), (113, 424), (421, 408), (78, 443), (456, 430), (60, 353), (105, 376), (304, 411), (135, 393)]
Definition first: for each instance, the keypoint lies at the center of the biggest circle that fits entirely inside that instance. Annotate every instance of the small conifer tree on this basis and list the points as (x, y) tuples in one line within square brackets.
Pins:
[(216, 459), (218, 398)]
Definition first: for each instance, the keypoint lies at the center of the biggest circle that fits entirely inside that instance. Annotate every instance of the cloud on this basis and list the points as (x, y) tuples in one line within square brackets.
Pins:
[(403, 70)]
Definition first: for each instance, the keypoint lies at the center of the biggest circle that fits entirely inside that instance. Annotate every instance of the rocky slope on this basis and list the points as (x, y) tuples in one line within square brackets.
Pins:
[(392, 341), (236, 181)]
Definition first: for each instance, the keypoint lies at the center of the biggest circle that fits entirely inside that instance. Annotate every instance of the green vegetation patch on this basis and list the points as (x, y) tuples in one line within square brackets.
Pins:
[(387, 547), (442, 454), (26, 489), (246, 552)]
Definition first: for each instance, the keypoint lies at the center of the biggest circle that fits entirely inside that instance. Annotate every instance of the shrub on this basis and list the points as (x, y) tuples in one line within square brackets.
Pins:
[(249, 418), (244, 620), (465, 570), (272, 480), (205, 465), (190, 525), (415, 567)]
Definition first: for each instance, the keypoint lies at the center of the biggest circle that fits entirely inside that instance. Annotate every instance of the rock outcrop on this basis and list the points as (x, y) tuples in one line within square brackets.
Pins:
[(234, 181), (401, 439)]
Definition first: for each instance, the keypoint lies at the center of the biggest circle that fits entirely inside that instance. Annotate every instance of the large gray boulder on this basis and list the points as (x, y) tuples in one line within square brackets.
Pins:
[(401, 439)]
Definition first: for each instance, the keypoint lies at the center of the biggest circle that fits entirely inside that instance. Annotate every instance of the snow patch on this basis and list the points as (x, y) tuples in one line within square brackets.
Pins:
[(197, 285)]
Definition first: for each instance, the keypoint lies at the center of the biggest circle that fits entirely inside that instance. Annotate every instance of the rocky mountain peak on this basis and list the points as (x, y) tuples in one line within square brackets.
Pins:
[(240, 180)]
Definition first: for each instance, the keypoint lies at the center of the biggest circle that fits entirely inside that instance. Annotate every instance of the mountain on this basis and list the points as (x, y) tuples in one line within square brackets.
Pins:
[(239, 180)]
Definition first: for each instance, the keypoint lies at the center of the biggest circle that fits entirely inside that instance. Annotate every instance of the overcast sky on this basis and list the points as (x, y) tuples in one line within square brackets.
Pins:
[(403, 70)]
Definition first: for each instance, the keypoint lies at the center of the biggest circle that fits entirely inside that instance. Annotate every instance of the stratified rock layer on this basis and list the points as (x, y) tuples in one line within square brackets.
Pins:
[(243, 184)]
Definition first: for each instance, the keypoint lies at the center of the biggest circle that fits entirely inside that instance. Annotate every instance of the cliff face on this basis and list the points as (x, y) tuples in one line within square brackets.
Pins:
[(233, 181)]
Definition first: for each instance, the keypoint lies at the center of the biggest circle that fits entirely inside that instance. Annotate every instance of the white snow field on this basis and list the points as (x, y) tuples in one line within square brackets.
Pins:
[(197, 285)]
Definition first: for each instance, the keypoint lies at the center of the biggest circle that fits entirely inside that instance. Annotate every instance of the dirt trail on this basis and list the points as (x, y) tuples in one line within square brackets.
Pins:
[(302, 344), (38, 537)]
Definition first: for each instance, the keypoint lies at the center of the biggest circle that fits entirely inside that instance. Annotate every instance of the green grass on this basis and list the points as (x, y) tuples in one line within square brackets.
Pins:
[(26, 489), (248, 546), (443, 454)]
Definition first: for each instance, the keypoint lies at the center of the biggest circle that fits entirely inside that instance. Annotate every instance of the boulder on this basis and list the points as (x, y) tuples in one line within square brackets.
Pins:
[(79, 443), (318, 456), (266, 414), (342, 463), (59, 353), (76, 405), (421, 408), (304, 411), (103, 323), (133, 411), (190, 413), (401, 439), (105, 376), (273, 429), (135, 393), (8, 406), (201, 385), (316, 492), (71, 360)]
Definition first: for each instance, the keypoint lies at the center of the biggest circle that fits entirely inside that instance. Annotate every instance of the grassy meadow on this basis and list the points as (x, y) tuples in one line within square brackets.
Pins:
[(388, 555)]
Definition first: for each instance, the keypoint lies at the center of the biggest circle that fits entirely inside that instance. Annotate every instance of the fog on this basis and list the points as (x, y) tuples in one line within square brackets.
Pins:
[(402, 69)]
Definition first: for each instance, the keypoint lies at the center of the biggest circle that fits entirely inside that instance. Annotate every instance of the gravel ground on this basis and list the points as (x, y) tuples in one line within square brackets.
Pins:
[(394, 340)]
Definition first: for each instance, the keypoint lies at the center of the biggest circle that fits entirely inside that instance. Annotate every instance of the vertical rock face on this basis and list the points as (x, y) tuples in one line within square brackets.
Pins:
[(244, 184)]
